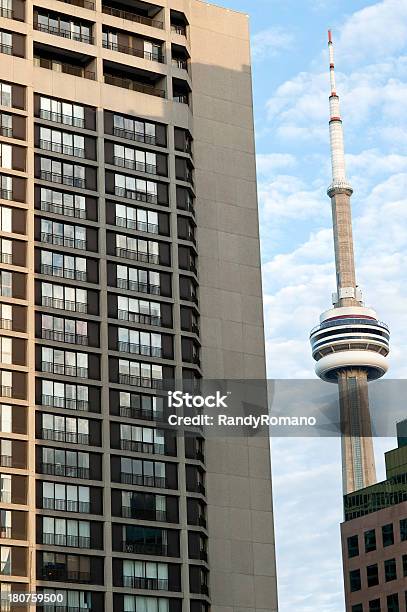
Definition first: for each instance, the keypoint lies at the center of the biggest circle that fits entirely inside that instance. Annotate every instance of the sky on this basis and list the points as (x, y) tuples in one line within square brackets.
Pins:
[(291, 88)]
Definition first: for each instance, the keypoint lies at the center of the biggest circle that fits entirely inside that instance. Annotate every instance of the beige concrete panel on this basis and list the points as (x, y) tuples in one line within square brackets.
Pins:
[(242, 557), (264, 559), (243, 590), (260, 494), (262, 526)]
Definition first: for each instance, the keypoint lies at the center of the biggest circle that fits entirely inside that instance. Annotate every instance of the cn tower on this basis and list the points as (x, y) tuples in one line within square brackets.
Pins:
[(350, 345)]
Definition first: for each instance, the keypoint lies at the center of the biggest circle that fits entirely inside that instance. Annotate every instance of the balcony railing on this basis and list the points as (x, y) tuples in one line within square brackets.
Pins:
[(64, 304), (62, 539), (7, 49), (63, 179), (108, 10), (135, 412), (136, 317), (144, 514), (202, 521), (62, 209), (137, 136), (148, 55), (6, 12), (63, 575), (181, 30), (141, 196), (180, 63), (70, 437), (141, 548), (61, 469), (181, 98), (6, 391), (66, 505), (85, 38), (78, 71), (6, 324), (151, 584), (6, 258), (56, 401), (6, 194), (139, 349), (50, 270), (84, 3), (6, 461), (136, 446), (142, 479), (132, 164), (5, 497), (62, 368), (138, 255), (123, 283), (7, 131), (61, 118), (5, 532), (134, 85), (200, 488), (58, 147), (67, 241), (140, 381), (140, 226), (61, 336)]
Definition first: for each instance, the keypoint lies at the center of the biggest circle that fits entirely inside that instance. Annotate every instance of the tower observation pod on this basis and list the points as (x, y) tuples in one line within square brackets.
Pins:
[(350, 345)]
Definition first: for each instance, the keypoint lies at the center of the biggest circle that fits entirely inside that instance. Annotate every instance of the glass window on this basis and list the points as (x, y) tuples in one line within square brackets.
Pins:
[(370, 540), (372, 573), (5, 418), (403, 530), (393, 603), (5, 94), (5, 219), (388, 535), (390, 571), (354, 580), (6, 154), (374, 605)]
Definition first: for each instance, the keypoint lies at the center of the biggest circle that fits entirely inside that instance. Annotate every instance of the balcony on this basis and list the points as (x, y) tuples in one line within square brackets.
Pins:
[(64, 304), (49, 270), (67, 241), (143, 480), (136, 446), (63, 179), (136, 317), (55, 401), (61, 469), (61, 574), (150, 584), (6, 12), (127, 83), (6, 131), (6, 391), (65, 505), (78, 37), (137, 255), (144, 514), (57, 147), (141, 548), (7, 49), (140, 381), (148, 55), (6, 258), (139, 349), (135, 79), (66, 370), (131, 164), (60, 336), (62, 539), (123, 283), (136, 136), (179, 29), (5, 532), (137, 16), (140, 196), (6, 324), (69, 437), (6, 461), (140, 226), (63, 60), (64, 67), (134, 412), (61, 118), (6, 194), (83, 3)]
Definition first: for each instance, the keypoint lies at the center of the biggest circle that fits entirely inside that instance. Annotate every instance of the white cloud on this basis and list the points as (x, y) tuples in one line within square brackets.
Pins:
[(269, 162), (270, 42), (287, 196)]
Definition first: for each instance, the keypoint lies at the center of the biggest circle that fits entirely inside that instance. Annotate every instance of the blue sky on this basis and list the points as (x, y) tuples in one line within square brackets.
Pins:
[(291, 86)]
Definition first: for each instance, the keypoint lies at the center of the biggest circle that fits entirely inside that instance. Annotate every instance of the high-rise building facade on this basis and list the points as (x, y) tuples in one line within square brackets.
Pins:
[(129, 256)]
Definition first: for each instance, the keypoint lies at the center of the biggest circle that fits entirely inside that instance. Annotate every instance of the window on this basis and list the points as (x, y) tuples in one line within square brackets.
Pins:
[(374, 605), (140, 374), (6, 219), (6, 382), (75, 600), (142, 439), (68, 204), (62, 112), (354, 580), (60, 172), (65, 532), (62, 142), (403, 530), (390, 570), (62, 395), (63, 234), (134, 129), (6, 349), (61, 462), (372, 573), (370, 540), (5, 560), (6, 418), (145, 575), (6, 121), (5, 523), (64, 298), (6, 187), (69, 498), (143, 472), (138, 311), (147, 506), (141, 406), (6, 42), (58, 566), (5, 488), (6, 251), (6, 316), (137, 218), (142, 343), (393, 603), (65, 429), (136, 248), (6, 155), (135, 279), (62, 26), (404, 559), (388, 535), (135, 159), (67, 266), (138, 603), (6, 451), (73, 331), (135, 188), (69, 363), (5, 94), (353, 546)]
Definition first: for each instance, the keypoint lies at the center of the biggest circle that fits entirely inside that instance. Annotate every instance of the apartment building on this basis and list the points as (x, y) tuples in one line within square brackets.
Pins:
[(129, 256)]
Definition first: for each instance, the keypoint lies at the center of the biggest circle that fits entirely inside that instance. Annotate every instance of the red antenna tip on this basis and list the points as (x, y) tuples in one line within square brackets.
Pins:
[(329, 36)]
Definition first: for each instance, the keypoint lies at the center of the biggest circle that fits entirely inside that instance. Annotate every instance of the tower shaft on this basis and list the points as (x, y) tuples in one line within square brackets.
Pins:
[(343, 242)]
